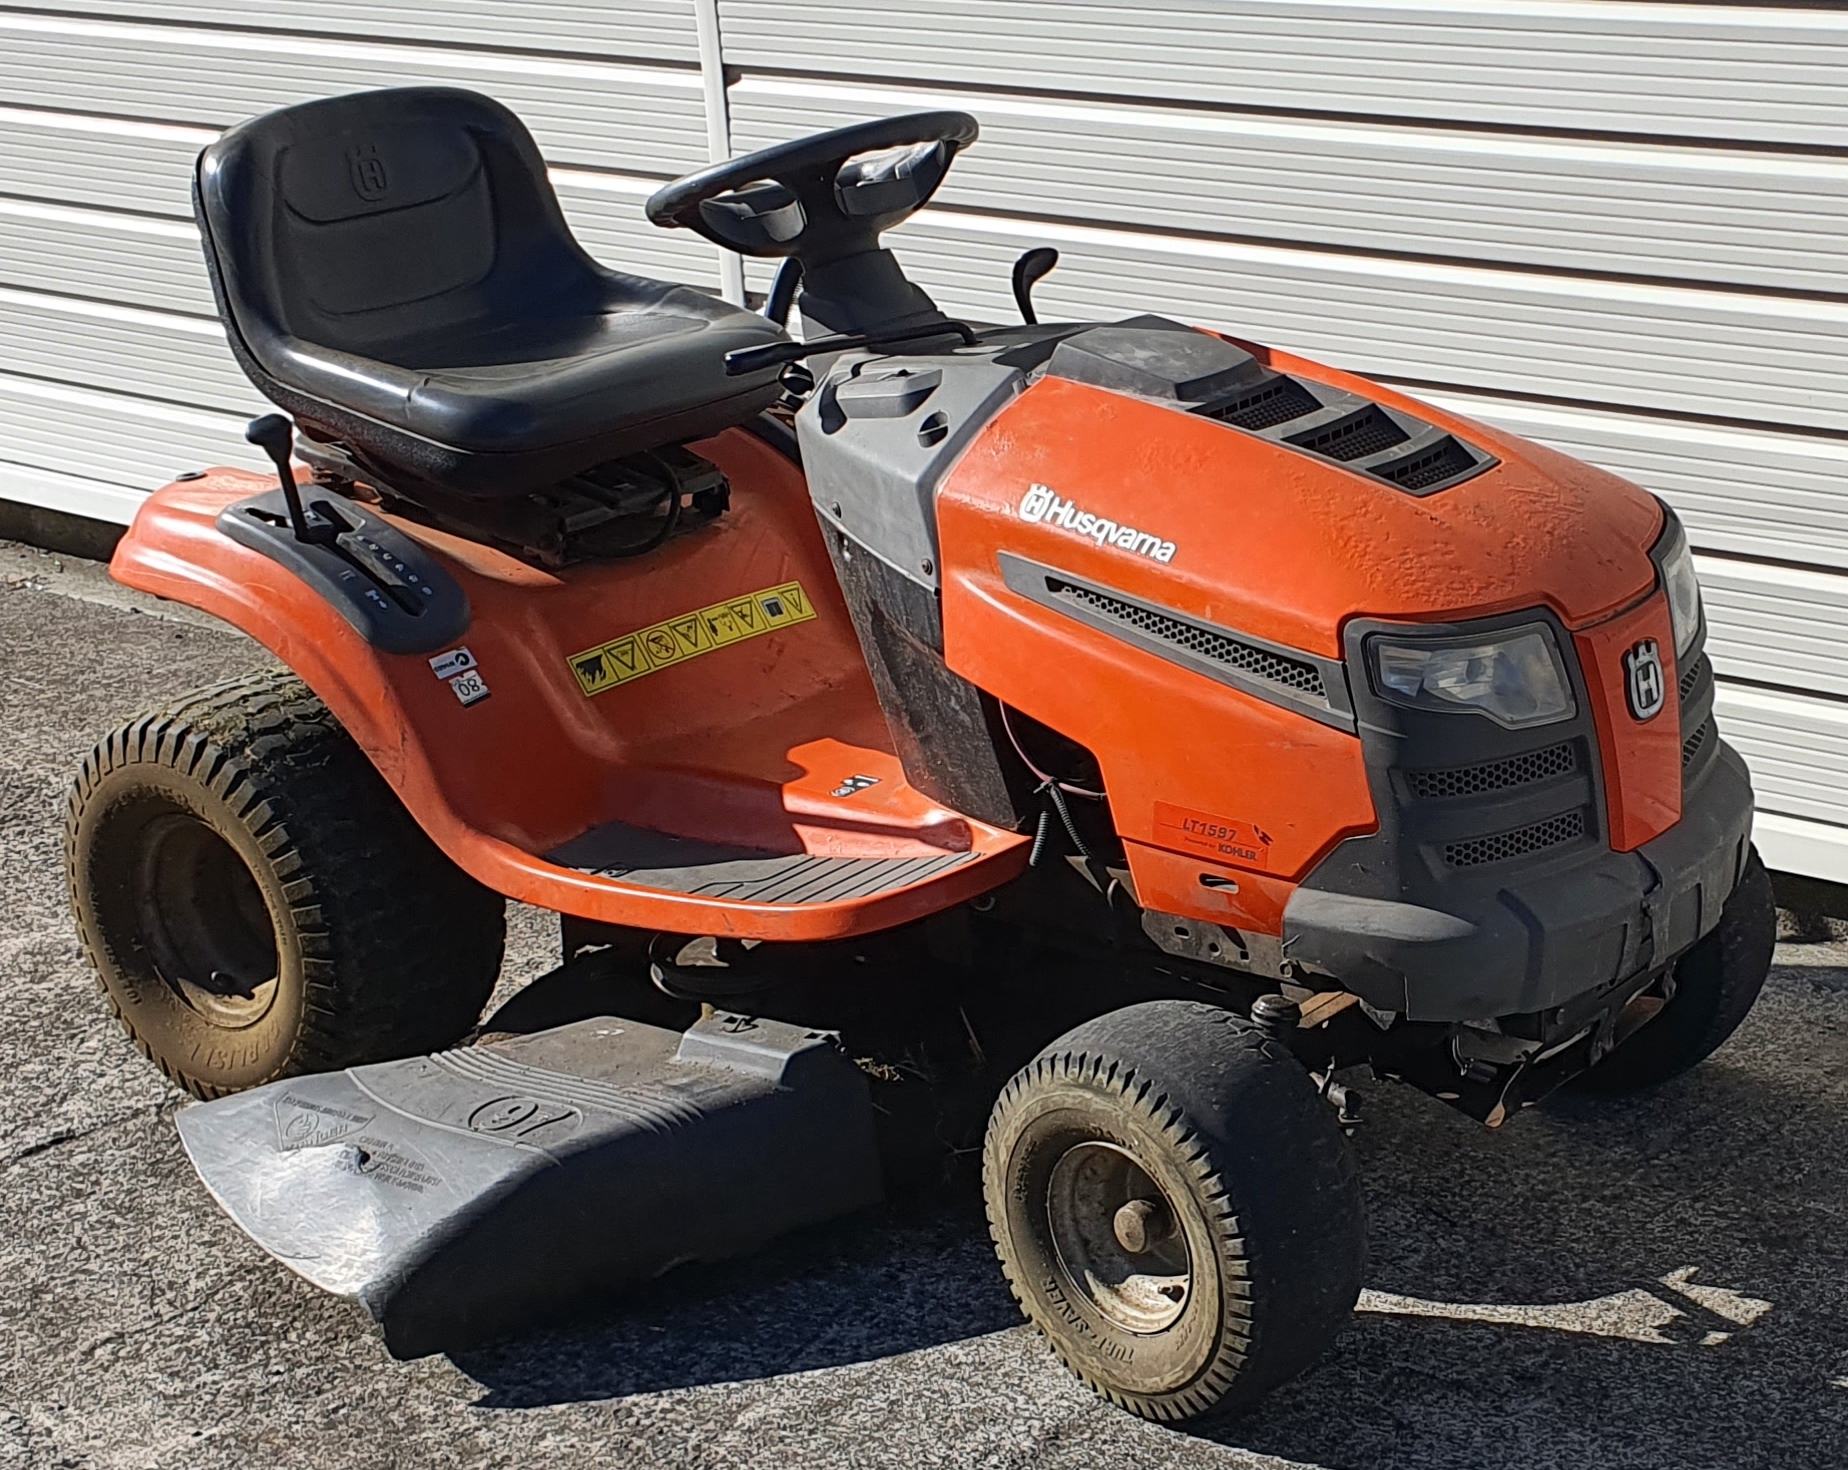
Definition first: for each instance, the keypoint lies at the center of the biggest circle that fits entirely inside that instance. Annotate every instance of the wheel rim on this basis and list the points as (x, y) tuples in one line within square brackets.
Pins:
[(203, 916), (1118, 1237)]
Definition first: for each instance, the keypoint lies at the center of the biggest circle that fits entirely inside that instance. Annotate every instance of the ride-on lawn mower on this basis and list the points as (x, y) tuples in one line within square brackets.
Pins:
[(1103, 732)]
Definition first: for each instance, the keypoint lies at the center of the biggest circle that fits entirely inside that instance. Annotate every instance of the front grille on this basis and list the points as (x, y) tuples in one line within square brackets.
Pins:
[(1519, 770), (1443, 461), (1260, 663), (1276, 402), (1690, 676), (1691, 747), (1553, 832), (1354, 436)]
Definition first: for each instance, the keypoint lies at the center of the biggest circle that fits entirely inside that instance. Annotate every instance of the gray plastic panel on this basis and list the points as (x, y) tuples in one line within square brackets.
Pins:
[(874, 460)]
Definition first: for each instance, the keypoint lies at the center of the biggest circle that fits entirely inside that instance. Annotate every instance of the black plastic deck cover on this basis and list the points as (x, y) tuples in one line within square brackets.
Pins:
[(480, 1191)]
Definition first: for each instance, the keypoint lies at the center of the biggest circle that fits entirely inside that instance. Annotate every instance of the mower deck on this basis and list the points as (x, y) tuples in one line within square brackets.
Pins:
[(473, 1192)]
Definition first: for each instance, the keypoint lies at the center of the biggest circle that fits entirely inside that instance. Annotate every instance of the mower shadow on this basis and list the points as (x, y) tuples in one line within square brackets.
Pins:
[(1731, 1170), (901, 1278)]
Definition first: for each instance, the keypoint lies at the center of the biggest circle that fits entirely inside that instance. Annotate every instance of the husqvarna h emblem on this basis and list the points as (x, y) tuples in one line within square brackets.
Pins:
[(1643, 677), (367, 170)]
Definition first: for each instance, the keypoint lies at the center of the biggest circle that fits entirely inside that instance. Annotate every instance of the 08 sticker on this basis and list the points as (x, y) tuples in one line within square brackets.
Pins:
[(688, 635), (462, 674)]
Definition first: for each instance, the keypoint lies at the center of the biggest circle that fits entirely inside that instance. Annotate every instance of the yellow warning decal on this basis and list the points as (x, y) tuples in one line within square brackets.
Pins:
[(688, 635)]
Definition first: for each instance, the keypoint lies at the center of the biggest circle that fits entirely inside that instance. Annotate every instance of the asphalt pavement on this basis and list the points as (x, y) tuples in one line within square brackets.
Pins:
[(1660, 1281)]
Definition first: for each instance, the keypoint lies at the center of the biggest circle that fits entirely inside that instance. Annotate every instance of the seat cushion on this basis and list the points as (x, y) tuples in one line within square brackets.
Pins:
[(394, 270), (652, 354)]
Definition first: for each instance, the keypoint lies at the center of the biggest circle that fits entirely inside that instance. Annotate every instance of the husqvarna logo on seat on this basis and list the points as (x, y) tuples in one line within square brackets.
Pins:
[(366, 168), (1643, 677), (1041, 507)]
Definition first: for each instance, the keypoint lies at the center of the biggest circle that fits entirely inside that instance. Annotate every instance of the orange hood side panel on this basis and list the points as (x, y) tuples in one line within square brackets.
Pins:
[(1193, 767), (1243, 533)]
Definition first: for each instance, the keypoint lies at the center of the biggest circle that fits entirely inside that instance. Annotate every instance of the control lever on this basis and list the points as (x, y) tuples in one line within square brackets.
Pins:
[(1029, 271), (783, 289), (773, 354), (275, 436)]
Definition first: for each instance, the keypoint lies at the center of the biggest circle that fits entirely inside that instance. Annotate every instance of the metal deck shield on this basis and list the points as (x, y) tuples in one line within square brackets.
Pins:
[(474, 1192)]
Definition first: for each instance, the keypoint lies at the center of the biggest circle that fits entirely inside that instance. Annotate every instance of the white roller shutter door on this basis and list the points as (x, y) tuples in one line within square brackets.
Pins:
[(1614, 227)]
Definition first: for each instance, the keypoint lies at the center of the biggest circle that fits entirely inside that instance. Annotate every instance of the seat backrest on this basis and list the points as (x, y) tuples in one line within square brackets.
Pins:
[(376, 219)]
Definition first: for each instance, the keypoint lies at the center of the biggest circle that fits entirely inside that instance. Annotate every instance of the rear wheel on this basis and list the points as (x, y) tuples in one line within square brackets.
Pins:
[(1716, 983), (256, 901), (1175, 1208)]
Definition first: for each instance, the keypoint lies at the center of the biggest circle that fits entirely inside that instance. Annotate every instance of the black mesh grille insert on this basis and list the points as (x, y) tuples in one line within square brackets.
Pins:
[(1276, 402), (1260, 663), (1690, 676), (1553, 832), (1691, 747), (1444, 460), (1519, 770), (1353, 436)]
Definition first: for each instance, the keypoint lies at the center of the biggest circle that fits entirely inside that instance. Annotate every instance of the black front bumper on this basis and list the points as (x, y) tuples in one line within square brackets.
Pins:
[(1543, 934)]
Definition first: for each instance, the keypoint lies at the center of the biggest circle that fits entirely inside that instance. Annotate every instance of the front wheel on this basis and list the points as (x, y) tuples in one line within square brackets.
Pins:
[(1716, 983), (256, 901), (1175, 1208)]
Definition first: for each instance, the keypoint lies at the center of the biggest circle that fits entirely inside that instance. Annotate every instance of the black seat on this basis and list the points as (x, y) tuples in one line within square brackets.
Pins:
[(393, 270)]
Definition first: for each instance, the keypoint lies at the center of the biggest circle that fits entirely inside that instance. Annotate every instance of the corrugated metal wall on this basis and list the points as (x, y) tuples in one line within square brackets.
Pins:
[(1614, 227)]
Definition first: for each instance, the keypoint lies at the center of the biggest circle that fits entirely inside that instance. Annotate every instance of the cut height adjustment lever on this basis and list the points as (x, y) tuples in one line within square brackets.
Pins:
[(381, 581), (275, 436), (320, 523)]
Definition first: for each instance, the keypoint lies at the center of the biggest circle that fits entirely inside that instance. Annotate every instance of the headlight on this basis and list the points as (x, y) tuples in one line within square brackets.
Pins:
[(1678, 580), (1516, 678)]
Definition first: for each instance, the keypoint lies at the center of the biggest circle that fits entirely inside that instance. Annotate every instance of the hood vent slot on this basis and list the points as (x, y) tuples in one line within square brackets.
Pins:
[(1355, 435), (1443, 462), (1259, 663), (1280, 401), (1151, 357)]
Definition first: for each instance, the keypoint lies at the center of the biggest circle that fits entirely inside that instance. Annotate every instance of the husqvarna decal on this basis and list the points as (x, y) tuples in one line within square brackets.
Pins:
[(1221, 838), (1040, 506), (688, 635)]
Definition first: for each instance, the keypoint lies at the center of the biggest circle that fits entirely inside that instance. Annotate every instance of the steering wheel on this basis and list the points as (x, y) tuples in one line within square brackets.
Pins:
[(810, 198)]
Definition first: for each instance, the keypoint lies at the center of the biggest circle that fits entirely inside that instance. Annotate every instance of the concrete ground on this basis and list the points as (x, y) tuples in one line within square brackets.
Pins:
[(1660, 1282)]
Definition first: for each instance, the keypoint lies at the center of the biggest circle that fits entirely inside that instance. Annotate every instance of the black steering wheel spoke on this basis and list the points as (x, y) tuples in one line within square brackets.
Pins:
[(824, 201)]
